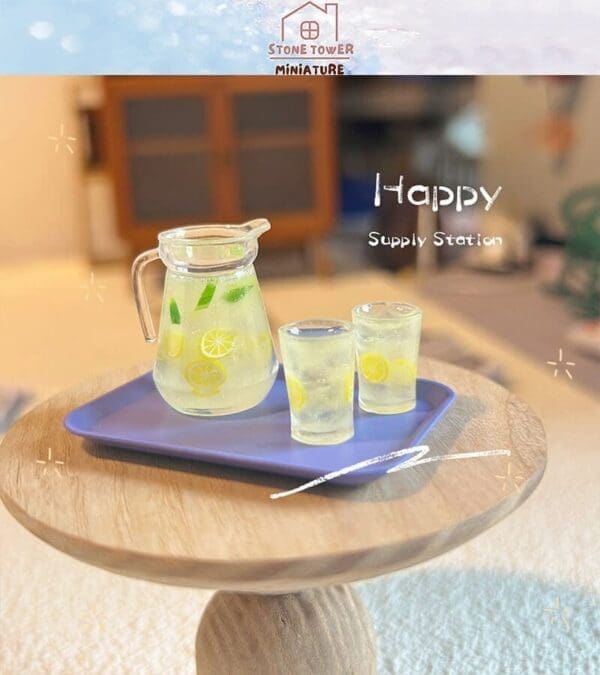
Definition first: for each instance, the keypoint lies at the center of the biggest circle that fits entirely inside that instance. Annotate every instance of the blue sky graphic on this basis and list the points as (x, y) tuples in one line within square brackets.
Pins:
[(126, 36)]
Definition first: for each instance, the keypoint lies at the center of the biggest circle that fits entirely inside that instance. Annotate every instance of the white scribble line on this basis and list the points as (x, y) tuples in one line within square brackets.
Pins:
[(445, 458), (421, 449), (419, 452)]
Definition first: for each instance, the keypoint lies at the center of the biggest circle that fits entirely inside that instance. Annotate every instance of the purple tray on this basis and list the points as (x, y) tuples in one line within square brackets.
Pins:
[(134, 416)]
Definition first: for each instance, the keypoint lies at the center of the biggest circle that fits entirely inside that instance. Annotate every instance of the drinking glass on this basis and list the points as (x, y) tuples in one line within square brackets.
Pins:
[(387, 348), (318, 360)]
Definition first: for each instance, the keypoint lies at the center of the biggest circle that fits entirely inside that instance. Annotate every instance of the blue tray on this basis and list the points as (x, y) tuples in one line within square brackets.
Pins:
[(134, 416)]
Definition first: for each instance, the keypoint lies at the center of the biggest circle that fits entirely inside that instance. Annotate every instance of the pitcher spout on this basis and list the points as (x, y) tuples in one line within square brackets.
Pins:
[(211, 248), (257, 226)]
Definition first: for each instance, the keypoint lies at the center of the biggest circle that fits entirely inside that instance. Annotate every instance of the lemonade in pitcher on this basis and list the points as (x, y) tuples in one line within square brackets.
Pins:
[(215, 351)]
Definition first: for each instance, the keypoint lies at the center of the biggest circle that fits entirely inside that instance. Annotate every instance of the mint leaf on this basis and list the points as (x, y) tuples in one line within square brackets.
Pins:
[(174, 311), (207, 295), (236, 294)]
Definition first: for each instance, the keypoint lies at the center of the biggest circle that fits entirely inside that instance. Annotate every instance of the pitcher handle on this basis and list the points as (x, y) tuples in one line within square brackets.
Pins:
[(139, 292)]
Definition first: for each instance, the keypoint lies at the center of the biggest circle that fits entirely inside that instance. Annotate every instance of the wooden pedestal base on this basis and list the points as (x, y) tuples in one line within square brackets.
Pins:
[(316, 631)]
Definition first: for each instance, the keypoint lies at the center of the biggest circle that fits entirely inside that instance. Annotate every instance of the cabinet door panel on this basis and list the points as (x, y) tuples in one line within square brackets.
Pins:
[(162, 117), (279, 134), (275, 179), (164, 147), (257, 113), (167, 187)]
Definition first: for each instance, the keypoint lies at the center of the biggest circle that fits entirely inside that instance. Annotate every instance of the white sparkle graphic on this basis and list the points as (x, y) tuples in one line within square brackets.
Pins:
[(508, 477), (558, 365), (557, 613), (49, 462), (93, 288), (63, 140), (419, 456), (93, 618)]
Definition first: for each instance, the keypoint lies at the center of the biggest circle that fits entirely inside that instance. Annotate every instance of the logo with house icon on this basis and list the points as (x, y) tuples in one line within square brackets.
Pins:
[(311, 22), (309, 42)]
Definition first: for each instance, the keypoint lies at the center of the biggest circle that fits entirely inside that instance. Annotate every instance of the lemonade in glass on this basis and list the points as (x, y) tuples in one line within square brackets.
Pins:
[(387, 348), (318, 360)]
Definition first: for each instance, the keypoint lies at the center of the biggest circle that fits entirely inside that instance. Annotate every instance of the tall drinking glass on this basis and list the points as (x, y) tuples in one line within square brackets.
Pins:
[(318, 360), (387, 348)]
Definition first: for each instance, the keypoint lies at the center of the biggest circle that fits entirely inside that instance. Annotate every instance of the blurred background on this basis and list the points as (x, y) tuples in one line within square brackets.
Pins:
[(94, 167)]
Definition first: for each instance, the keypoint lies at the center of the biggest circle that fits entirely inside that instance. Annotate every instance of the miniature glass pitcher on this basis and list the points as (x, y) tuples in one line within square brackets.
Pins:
[(215, 350)]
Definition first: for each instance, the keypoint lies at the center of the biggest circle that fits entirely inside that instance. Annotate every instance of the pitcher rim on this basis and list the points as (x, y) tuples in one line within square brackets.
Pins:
[(198, 233)]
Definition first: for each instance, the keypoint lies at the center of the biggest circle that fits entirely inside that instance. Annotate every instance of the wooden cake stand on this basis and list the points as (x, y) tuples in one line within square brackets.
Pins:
[(281, 566)]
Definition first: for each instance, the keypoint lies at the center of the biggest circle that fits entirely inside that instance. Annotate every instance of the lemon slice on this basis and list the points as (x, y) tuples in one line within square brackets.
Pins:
[(216, 343), (174, 342), (171, 344), (374, 367), (205, 376), (296, 393), (404, 372), (349, 386)]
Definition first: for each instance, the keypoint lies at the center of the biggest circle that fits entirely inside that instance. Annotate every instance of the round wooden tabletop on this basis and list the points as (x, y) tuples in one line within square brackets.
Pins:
[(189, 523)]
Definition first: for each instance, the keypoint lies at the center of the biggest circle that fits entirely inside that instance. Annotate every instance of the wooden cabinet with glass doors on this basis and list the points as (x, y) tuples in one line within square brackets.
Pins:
[(221, 149)]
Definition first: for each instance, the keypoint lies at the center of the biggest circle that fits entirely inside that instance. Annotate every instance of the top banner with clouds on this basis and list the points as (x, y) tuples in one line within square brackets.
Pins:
[(287, 37)]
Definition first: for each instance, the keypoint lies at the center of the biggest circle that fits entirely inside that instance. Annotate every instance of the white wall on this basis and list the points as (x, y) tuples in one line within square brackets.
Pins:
[(41, 193)]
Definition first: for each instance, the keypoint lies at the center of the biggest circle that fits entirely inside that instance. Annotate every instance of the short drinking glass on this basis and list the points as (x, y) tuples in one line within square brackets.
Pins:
[(387, 347), (318, 360)]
